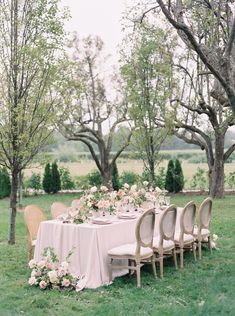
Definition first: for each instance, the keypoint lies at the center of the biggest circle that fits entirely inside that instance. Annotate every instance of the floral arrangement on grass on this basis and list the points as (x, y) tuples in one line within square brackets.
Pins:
[(50, 274)]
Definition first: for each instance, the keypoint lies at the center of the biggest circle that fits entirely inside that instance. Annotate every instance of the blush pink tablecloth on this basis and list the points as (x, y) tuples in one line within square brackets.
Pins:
[(90, 244)]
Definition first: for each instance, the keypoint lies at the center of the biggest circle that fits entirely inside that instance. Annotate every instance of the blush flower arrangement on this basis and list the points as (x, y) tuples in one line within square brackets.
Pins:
[(50, 274)]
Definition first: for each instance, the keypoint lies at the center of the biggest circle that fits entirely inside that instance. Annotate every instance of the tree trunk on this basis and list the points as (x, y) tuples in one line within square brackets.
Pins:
[(152, 172), (20, 190), (216, 172), (107, 177), (13, 205)]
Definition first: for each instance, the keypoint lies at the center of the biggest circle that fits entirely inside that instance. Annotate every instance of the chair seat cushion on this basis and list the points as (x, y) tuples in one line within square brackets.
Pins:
[(129, 250), (187, 238), (34, 243), (204, 232), (167, 244)]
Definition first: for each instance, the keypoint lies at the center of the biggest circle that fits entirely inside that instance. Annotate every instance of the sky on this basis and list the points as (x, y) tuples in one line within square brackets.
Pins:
[(98, 17)]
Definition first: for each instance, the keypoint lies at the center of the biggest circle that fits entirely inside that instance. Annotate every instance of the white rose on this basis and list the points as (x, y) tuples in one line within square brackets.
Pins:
[(145, 183), (33, 273), (42, 264), (32, 263), (113, 195), (157, 189), (215, 237), (126, 185), (103, 188), (134, 187), (93, 189), (89, 204), (32, 281), (64, 264), (53, 277)]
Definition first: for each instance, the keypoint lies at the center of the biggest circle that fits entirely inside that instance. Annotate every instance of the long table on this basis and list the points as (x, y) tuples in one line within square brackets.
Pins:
[(89, 243)]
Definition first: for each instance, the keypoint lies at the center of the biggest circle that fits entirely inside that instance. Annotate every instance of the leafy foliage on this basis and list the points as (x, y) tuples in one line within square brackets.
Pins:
[(67, 182), (5, 183), (169, 182), (200, 180), (129, 177), (55, 176), (230, 180), (47, 179), (179, 177), (161, 178), (34, 181), (94, 178), (115, 178)]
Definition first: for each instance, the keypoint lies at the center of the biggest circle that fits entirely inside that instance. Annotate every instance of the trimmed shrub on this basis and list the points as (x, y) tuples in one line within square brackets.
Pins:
[(5, 183), (178, 176), (55, 175), (230, 180), (169, 182), (82, 182), (34, 181), (66, 180), (94, 178), (129, 177), (115, 178), (160, 178), (47, 179)]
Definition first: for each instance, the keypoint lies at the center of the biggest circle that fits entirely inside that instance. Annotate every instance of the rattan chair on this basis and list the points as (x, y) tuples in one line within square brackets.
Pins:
[(202, 231), (57, 209), (138, 251), (33, 216), (163, 244), (184, 238)]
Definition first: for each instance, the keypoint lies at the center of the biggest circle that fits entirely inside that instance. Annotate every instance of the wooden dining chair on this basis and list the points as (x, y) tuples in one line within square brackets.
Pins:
[(202, 230), (57, 209), (184, 238), (163, 244), (136, 252), (33, 216)]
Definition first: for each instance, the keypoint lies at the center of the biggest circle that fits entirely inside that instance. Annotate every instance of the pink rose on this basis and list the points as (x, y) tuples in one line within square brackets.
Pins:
[(65, 283), (32, 281), (43, 285)]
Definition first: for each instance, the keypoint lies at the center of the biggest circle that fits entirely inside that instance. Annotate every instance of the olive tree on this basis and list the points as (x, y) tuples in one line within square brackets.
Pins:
[(94, 102)]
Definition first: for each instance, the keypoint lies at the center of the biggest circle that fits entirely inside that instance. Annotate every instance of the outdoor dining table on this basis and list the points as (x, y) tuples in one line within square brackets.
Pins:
[(89, 244)]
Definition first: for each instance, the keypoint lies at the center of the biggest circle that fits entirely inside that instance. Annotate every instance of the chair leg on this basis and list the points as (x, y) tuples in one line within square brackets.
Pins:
[(110, 270), (181, 258), (200, 249), (175, 258), (161, 265), (194, 251), (209, 244), (138, 274), (129, 265), (154, 266)]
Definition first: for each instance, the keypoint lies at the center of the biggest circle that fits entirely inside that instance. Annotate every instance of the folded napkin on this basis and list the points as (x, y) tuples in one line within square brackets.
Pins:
[(126, 215), (101, 220)]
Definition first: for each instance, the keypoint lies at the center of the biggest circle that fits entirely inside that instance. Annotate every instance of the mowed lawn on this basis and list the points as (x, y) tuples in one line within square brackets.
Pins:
[(204, 287)]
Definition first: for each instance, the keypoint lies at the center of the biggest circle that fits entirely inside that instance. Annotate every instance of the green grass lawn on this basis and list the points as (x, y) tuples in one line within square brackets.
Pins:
[(204, 287)]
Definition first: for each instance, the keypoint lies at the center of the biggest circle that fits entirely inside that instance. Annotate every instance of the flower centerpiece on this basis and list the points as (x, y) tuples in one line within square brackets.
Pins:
[(50, 274)]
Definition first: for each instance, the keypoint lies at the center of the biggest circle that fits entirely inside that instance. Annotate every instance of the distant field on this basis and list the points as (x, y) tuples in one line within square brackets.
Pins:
[(85, 166)]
